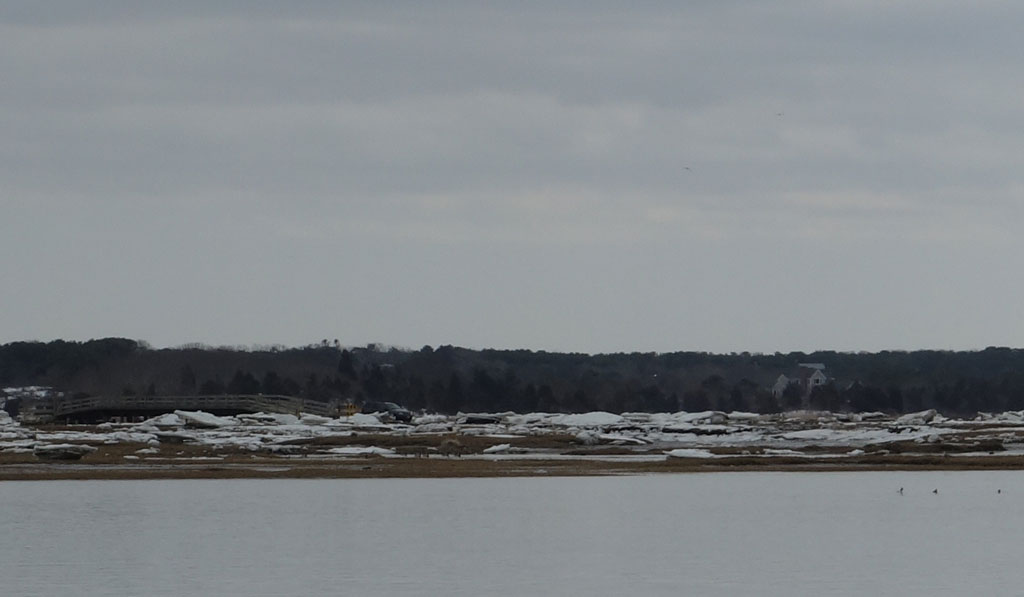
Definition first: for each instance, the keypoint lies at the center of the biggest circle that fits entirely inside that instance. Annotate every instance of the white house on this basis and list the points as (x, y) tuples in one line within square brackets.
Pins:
[(808, 376)]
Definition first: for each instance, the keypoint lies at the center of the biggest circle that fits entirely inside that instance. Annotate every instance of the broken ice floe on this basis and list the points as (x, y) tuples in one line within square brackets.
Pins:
[(581, 435)]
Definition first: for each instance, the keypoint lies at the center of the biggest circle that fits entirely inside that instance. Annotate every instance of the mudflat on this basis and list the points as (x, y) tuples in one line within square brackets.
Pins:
[(544, 458)]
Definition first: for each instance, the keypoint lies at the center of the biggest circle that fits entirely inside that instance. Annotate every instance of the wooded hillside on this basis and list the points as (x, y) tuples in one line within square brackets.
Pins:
[(450, 379)]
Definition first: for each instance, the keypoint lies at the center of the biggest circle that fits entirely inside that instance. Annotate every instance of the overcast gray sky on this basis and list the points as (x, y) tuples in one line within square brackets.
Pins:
[(591, 176)]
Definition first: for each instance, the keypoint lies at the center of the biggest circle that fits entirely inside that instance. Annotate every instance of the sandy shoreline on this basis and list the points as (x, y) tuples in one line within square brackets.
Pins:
[(239, 467)]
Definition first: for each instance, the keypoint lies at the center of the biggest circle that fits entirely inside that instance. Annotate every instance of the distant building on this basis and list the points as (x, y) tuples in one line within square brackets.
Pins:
[(22, 400), (807, 376), (30, 392)]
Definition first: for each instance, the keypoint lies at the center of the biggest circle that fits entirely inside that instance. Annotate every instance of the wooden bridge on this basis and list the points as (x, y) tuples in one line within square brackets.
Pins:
[(92, 409)]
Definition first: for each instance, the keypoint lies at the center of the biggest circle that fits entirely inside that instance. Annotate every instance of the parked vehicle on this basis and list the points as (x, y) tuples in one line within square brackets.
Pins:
[(395, 411)]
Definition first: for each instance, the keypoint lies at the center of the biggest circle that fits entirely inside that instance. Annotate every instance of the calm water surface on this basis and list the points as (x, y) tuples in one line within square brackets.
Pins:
[(697, 534)]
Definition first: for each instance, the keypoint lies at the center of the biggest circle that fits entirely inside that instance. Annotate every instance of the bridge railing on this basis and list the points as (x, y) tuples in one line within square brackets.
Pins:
[(52, 409)]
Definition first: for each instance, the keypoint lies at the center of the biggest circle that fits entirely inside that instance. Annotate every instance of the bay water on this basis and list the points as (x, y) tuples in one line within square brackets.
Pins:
[(851, 533)]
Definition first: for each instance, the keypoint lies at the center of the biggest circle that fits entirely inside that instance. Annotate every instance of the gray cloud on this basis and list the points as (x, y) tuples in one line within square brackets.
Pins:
[(720, 175)]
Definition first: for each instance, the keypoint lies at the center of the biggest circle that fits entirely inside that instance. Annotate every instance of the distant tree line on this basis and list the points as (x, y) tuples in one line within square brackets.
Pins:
[(450, 379)]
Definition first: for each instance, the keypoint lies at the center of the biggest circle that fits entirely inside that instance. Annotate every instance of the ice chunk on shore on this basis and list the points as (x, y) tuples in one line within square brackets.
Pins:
[(618, 438), (1010, 416), (199, 418), (498, 449), (591, 419), (262, 418), (918, 418), (310, 419), (429, 419), (361, 419), (713, 417), (118, 437), (168, 420), (361, 451), (528, 419), (689, 453), (62, 451), (815, 434)]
